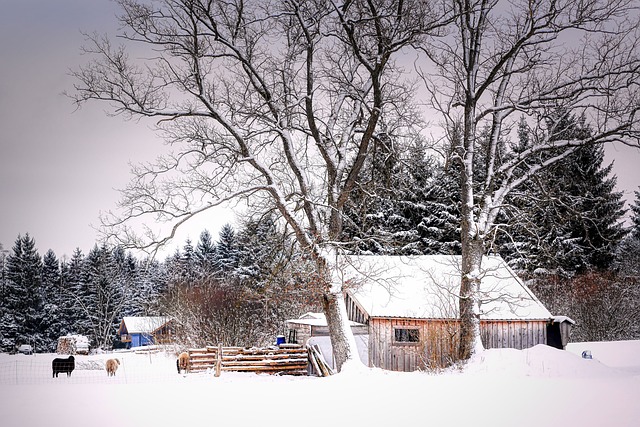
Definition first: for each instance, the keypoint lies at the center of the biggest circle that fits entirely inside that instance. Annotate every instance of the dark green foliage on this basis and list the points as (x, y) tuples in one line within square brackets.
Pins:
[(54, 304), (226, 254), (568, 217), (404, 205), (206, 253), (22, 321)]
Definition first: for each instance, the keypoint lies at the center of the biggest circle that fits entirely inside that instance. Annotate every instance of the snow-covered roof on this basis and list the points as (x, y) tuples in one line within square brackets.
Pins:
[(560, 319), (143, 325), (316, 319), (426, 287)]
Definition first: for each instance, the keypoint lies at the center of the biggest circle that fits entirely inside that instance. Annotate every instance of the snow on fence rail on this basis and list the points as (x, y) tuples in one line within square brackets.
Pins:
[(289, 359)]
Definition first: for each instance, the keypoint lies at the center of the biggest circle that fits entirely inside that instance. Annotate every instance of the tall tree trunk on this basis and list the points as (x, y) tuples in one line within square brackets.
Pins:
[(342, 340), (470, 342), (471, 237)]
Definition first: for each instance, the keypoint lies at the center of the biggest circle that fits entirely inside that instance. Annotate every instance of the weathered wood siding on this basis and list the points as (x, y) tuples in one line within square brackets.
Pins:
[(439, 340), (518, 334)]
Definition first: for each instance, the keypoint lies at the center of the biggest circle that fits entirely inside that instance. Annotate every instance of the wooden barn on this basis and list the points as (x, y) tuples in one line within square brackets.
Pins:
[(140, 331), (411, 309)]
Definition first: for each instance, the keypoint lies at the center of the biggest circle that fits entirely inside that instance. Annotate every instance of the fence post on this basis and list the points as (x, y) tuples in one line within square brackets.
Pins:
[(219, 360)]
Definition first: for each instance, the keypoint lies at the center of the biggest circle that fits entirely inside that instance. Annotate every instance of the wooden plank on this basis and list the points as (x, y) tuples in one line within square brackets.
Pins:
[(324, 368), (314, 362)]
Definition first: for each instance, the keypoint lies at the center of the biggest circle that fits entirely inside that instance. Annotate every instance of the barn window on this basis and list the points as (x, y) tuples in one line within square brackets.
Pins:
[(406, 335)]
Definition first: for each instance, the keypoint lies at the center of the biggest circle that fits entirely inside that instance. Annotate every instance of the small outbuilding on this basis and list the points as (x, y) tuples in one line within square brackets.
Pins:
[(314, 325), (410, 307), (312, 329), (141, 331), (558, 331)]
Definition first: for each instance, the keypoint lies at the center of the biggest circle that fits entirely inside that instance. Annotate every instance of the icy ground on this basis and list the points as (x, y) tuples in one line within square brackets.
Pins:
[(538, 387)]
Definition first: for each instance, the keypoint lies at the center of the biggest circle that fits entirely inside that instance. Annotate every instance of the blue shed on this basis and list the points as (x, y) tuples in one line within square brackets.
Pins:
[(141, 331)]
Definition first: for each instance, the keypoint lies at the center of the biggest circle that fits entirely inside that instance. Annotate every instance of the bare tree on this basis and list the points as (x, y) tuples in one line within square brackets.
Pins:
[(504, 59), (273, 102)]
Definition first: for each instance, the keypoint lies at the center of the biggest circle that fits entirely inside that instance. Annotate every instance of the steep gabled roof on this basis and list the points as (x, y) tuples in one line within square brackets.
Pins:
[(142, 325), (426, 287)]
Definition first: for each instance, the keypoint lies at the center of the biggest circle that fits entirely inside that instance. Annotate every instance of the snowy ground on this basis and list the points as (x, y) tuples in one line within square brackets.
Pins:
[(538, 387)]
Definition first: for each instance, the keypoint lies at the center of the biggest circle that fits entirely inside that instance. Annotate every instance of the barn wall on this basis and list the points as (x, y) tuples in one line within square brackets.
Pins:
[(518, 334), (439, 341)]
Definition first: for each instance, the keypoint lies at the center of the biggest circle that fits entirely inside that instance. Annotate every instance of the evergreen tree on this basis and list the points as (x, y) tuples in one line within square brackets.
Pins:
[(227, 255), (106, 296), (261, 250), (567, 219), (153, 284), (23, 319), (635, 216), (53, 300), (77, 295), (3, 274), (205, 253), (188, 263), (126, 279), (411, 208), (628, 252)]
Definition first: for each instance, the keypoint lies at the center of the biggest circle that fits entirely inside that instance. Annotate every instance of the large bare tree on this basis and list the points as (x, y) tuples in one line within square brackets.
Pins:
[(276, 102), (504, 59)]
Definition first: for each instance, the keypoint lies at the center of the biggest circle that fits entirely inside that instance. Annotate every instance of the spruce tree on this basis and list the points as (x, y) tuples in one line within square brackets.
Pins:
[(53, 300), (568, 218), (24, 315), (77, 295), (628, 252), (205, 254), (227, 255), (106, 296), (261, 250), (635, 216), (404, 204)]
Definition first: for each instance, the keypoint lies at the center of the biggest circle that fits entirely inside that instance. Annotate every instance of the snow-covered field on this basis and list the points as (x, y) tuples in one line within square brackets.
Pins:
[(538, 387)]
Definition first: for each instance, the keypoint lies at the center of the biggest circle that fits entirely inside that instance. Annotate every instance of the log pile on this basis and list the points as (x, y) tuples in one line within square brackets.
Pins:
[(73, 344), (289, 359)]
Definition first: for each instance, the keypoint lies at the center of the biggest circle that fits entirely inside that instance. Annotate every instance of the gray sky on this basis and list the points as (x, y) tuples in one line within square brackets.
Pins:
[(59, 168)]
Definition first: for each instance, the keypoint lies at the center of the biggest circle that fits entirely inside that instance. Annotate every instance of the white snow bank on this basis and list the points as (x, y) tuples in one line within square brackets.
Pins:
[(538, 387), (619, 354), (540, 361)]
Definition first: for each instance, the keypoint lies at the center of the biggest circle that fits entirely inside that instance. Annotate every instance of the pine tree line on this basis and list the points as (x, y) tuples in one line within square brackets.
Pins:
[(43, 298)]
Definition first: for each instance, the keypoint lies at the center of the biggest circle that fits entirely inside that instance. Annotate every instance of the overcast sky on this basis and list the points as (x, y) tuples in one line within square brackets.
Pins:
[(60, 168)]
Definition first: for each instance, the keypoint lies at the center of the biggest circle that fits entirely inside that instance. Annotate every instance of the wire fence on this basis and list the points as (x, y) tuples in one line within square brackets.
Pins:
[(133, 368)]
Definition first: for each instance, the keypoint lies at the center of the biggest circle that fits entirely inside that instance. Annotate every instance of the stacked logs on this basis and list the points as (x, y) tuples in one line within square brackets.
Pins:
[(289, 359)]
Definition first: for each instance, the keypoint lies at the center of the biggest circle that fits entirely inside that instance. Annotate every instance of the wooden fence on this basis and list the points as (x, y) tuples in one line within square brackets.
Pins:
[(290, 359)]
